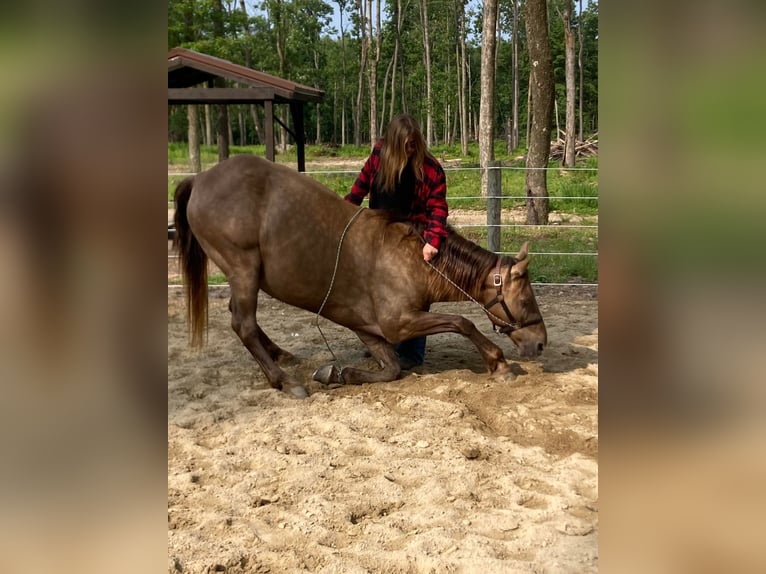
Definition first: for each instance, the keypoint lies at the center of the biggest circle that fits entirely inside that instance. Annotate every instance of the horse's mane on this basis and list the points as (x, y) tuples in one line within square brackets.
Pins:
[(463, 261)]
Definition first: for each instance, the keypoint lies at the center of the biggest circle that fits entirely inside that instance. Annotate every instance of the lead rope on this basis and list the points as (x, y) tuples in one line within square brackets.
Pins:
[(332, 281), (456, 286)]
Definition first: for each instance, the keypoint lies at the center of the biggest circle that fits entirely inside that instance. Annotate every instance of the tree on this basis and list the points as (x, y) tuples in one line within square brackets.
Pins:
[(569, 55), (462, 65), (487, 105), (431, 52), (399, 17), (222, 126), (515, 73), (579, 67), (373, 68), (427, 65), (364, 43), (341, 10), (541, 89)]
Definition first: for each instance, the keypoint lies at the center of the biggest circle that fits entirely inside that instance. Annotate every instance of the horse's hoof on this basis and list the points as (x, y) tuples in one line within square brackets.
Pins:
[(298, 392), (329, 374), (503, 373)]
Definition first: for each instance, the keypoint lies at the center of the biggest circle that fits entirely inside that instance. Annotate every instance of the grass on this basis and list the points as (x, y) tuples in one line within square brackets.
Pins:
[(549, 239), (573, 198)]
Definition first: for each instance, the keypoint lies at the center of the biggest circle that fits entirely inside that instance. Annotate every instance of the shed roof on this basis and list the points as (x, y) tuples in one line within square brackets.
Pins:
[(187, 68)]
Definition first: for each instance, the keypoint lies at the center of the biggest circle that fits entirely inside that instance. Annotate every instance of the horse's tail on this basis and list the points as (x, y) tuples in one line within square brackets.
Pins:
[(193, 263)]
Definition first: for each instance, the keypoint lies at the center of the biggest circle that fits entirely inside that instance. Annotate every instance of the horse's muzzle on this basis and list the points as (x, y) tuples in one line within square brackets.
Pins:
[(531, 349), (531, 341)]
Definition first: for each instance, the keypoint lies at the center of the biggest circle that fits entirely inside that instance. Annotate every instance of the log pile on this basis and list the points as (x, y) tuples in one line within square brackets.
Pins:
[(587, 148)]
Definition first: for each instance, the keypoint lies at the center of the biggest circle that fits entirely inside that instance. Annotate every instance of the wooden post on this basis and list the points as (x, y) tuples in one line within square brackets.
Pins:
[(494, 206), (268, 108), (300, 136)]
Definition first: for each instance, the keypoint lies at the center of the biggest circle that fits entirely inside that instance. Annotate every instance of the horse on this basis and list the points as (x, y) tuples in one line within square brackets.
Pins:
[(270, 228)]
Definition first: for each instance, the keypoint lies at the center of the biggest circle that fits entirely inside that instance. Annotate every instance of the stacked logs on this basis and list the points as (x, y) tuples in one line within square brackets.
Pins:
[(587, 148)]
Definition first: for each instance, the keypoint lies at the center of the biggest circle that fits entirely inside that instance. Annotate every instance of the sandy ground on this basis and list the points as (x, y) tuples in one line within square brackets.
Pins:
[(444, 470)]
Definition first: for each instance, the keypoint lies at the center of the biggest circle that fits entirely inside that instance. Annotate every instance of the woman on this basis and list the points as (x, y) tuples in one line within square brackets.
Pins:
[(402, 176)]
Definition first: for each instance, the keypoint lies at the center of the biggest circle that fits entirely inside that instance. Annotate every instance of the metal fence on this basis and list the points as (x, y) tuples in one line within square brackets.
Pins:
[(343, 179)]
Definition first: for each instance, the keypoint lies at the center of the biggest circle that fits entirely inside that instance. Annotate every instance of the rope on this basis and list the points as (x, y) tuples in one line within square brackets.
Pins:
[(460, 289), (332, 281)]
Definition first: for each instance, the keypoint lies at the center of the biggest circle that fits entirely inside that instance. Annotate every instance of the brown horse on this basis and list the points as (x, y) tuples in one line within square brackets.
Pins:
[(271, 228)]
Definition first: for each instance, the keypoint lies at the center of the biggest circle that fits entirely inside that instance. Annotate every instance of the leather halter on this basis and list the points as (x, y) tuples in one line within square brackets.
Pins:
[(511, 324)]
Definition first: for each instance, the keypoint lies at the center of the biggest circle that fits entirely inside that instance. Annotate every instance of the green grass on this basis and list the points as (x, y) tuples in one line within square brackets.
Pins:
[(213, 279), (549, 239)]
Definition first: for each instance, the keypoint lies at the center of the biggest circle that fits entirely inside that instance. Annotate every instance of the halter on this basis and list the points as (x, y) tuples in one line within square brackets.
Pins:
[(511, 324)]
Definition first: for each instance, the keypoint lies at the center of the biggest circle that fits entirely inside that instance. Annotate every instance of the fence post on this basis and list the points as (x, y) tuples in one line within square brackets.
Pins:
[(494, 191)]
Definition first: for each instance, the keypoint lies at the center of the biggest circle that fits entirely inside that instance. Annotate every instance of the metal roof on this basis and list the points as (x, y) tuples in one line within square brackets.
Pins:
[(187, 68)]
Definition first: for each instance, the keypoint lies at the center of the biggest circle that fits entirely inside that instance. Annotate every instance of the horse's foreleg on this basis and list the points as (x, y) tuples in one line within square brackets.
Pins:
[(386, 356), (243, 305), (425, 323), (381, 350)]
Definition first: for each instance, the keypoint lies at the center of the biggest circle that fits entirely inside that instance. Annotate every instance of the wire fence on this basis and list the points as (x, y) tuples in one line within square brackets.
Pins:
[(572, 239)]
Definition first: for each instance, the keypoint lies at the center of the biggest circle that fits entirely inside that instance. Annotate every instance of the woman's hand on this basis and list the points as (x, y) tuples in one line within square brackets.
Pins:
[(429, 252)]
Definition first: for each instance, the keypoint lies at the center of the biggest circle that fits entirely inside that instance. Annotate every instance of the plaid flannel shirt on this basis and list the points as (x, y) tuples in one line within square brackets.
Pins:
[(429, 204)]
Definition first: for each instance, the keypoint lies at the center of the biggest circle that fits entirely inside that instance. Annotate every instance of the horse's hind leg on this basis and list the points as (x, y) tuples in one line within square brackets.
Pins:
[(276, 352), (243, 305)]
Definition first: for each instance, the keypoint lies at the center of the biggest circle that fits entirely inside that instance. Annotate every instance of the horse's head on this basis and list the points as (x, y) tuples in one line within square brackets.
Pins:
[(513, 310)]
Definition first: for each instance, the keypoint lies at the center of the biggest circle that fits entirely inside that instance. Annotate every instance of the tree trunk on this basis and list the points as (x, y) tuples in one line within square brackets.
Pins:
[(257, 123), (569, 54), (471, 116), (209, 123), (222, 125), (361, 6), (529, 108), (579, 65), (194, 155), (374, 32), (427, 64), (384, 91), (242, 127), (463, 108), (541, 82), (515, 74), (487, 105), (341, 9), (278, 19), (318, 139), (229, 135), (395, 59), (222, 132)]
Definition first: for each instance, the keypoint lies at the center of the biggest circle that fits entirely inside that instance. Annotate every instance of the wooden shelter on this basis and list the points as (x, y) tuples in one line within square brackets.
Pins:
[(191, 76)]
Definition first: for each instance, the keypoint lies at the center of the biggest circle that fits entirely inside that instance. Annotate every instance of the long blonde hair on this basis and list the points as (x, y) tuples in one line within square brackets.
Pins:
[(393, 154)]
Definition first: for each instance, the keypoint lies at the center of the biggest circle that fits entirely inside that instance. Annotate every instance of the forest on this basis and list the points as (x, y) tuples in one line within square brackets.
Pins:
[(375, 59)]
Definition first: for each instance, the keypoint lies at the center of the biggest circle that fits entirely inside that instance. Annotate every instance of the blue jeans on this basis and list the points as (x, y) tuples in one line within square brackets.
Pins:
[(414, 349)]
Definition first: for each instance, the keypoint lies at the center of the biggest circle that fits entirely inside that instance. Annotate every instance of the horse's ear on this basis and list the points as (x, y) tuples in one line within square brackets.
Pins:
[(519, 268), (523, 251)]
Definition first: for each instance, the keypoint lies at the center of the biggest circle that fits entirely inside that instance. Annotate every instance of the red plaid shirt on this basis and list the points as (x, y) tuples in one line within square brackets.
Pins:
[(429, 204)]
